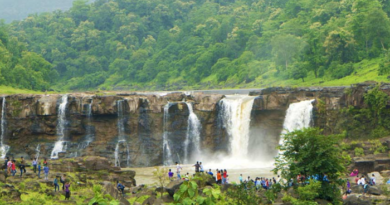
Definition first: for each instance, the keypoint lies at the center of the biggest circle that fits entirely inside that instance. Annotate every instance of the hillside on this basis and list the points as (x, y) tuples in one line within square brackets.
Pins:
[(183, 44)]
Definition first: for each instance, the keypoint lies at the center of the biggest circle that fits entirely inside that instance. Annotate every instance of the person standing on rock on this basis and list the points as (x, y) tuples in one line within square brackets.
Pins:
[(219, 177), (67, 191), (178, 168), (372, 180), (63, 180), (6, 163), (44, 162), (46, 171), (55, 182), (13, 168), (34, 163), (197, 166), (224, 175), (39, 170), (201, 167), (22, 166)]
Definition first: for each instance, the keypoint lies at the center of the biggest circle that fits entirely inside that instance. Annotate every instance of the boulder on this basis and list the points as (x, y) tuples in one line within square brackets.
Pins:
[(97, 163), (173, 186), (149, 201), (354, 200), (374, 190)]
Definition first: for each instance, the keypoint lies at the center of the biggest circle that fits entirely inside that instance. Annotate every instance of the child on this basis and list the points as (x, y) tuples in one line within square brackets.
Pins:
[(67, 191), (170, 175)]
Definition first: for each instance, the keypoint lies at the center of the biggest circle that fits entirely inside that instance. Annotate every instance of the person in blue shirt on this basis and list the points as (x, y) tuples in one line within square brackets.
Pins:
[(240, 178), (120, 187), (39, 170), (46, 171), (210, 172), (325, 179), (55, 182)]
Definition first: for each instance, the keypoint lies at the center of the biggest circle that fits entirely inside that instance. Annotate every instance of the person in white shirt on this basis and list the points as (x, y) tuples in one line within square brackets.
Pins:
[(373, 180), (178, 168)]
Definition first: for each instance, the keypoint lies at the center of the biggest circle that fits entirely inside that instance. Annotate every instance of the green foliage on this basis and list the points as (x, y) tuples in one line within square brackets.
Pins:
[(187, 194), (244, 193), (377, 147), (377, 101), (359, 152), (310, 153), (193, 44), (100, 198)]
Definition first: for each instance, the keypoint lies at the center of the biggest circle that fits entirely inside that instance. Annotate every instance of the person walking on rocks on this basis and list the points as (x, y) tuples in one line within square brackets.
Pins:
[(55, 182), (120, 187), (67, 191), (13, 168), (63, 180), (39, 170), (34, 163), (46, 171), (22, 166), (178, 168), (170, 175)]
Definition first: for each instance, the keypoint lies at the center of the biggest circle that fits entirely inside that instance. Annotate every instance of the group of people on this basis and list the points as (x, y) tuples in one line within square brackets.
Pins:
[(10, 169), (361, 181)]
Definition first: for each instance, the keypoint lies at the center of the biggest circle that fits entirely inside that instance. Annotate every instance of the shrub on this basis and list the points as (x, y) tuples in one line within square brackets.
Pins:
[(359, 152)]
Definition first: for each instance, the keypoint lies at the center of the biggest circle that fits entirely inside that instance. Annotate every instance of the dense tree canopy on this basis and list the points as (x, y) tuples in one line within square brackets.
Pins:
[(163, 44)]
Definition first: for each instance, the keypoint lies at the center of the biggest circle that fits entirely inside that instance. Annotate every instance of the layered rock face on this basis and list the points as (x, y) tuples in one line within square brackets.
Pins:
[(32, 120)]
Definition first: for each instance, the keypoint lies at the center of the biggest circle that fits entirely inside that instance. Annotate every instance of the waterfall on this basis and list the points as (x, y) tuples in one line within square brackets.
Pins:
[(38, 152), (236, 116), (167, 155), (61, 123), (3, 147), (193, 134), (90, 134), (298, 116), (121, 135)]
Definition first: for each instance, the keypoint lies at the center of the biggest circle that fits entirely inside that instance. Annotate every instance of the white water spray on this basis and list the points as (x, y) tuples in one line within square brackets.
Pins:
[(3, 147), (236, 111), (61, 123), (193, 134), (121, 135), (38, 152), (167, 155), (298, 116)]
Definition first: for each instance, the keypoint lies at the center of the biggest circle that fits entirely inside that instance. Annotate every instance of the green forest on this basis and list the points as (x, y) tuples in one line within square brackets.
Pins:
[(197, 44)]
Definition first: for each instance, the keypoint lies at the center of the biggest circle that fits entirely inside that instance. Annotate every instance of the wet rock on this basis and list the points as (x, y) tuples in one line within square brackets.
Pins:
[(173, 186), (97, 163), (354, 200)]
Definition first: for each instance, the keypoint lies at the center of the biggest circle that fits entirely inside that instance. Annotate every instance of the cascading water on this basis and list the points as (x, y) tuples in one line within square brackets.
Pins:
[(193, 134), (38, 151), (236, 112), (90, 134), (59, 145), (167, 155), (121, 135), (3, 147), (298, 116)]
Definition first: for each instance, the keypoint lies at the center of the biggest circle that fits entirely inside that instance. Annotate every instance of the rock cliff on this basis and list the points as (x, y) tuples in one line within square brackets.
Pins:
[(31, 120)]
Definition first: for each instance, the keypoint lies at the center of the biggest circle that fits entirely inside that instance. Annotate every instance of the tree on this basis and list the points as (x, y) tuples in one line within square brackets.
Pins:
[(285, 48), (310, 153), (160, 174)]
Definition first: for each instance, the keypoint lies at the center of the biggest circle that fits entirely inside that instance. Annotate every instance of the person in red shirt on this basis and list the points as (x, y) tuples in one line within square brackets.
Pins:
[(224, 176), (13, 168)]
